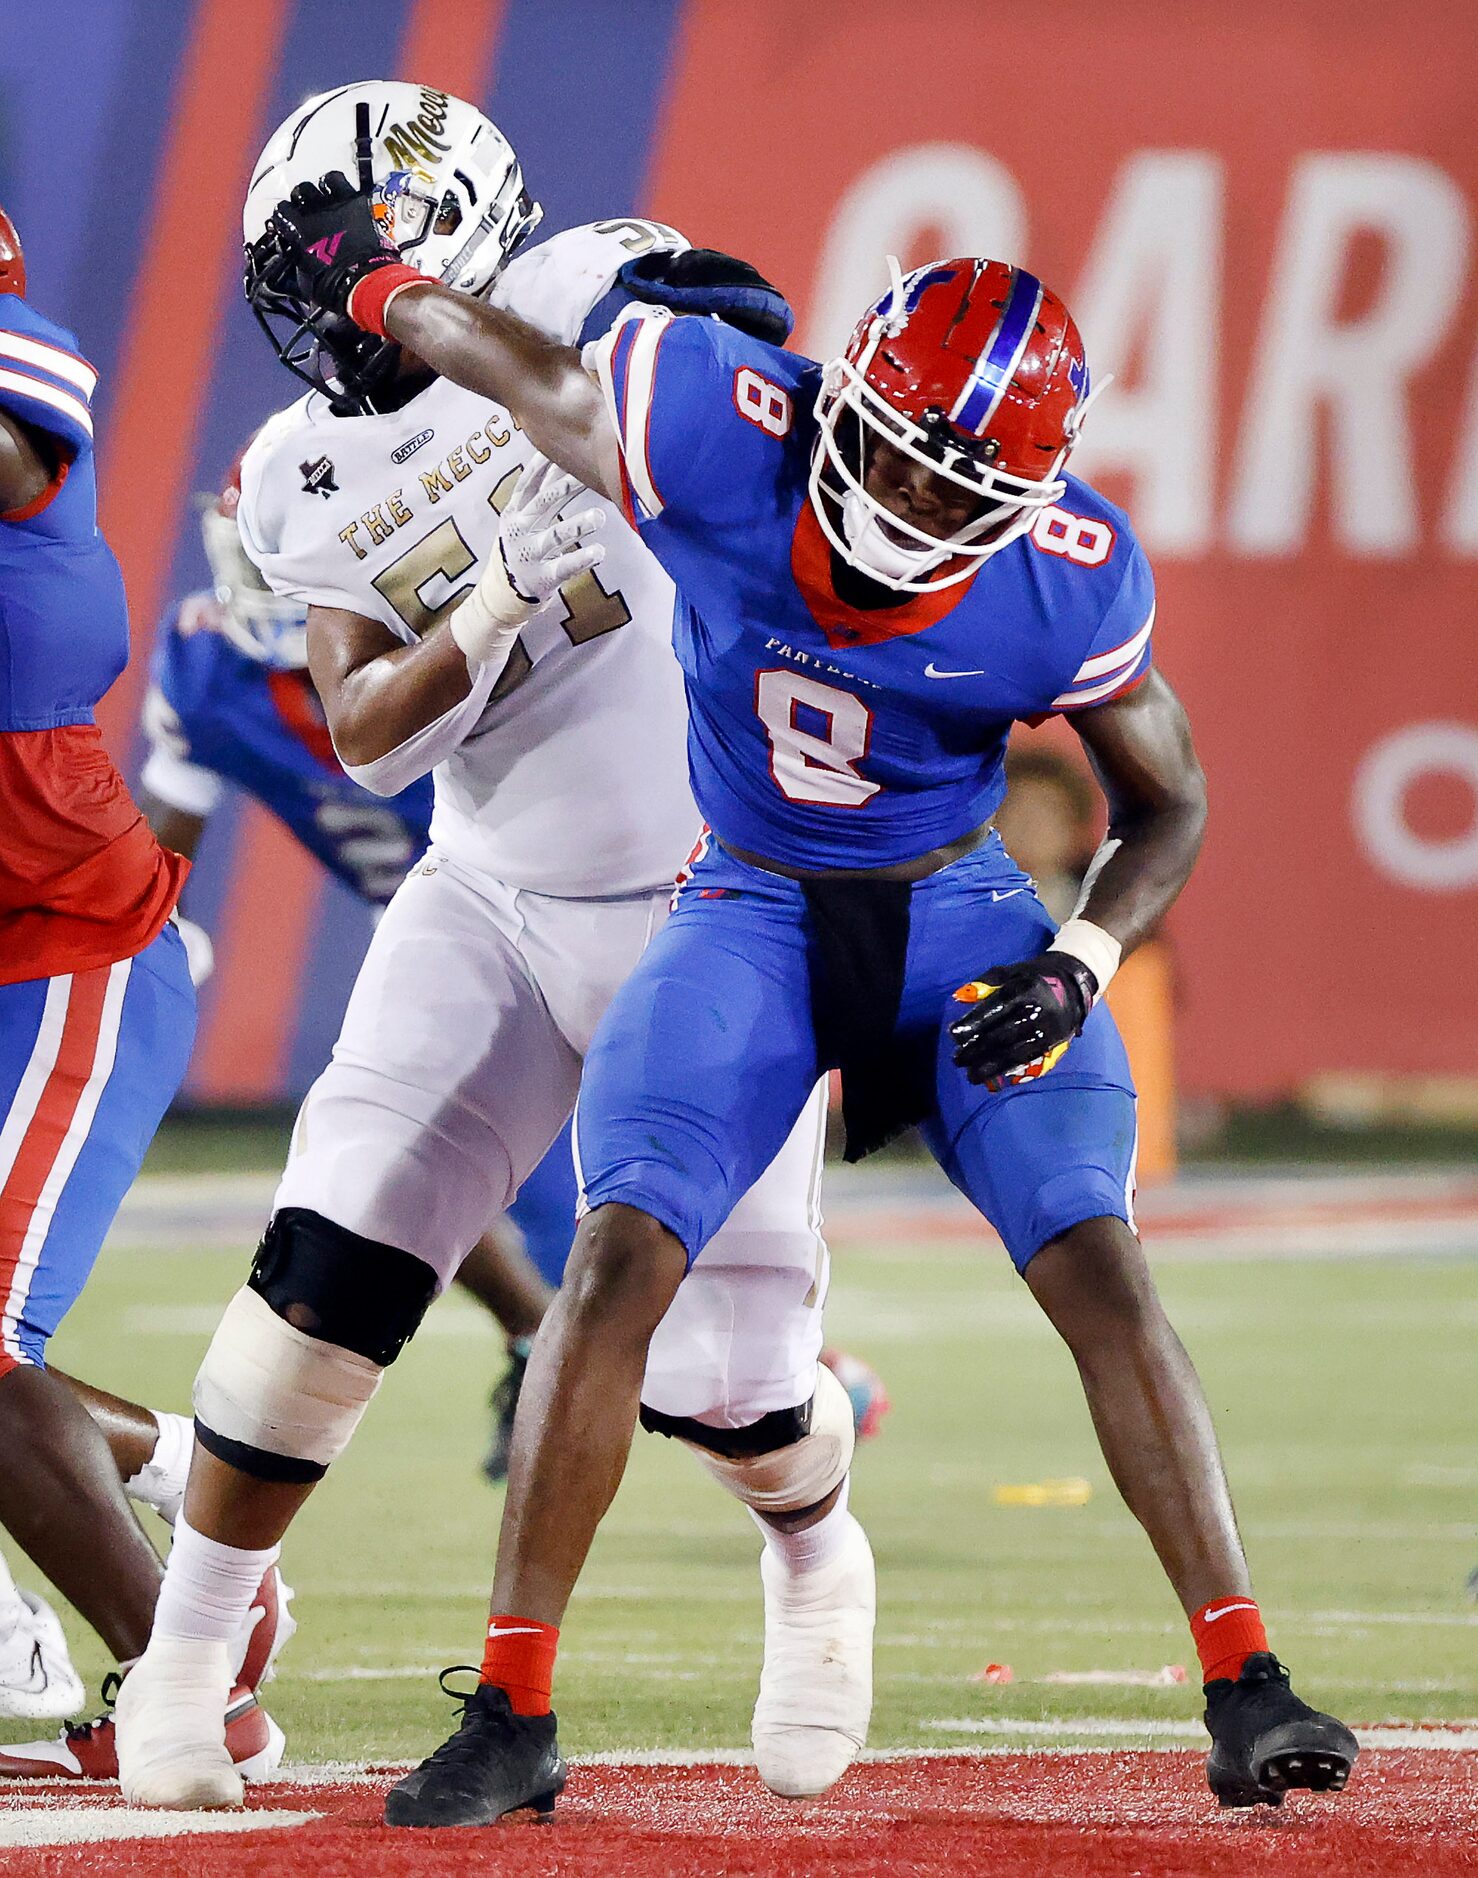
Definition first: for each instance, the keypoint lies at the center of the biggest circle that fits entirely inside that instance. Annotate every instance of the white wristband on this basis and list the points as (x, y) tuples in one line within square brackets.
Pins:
[(488, 621), (1100, 951)]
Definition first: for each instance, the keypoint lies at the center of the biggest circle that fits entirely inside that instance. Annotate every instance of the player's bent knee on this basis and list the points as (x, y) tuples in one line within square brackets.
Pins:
[(336, 1285), (787, 1461), (624, 1259), (300, 1351)]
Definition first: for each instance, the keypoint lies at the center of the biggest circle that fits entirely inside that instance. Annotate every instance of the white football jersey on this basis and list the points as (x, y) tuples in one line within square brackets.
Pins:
[(573, 781)]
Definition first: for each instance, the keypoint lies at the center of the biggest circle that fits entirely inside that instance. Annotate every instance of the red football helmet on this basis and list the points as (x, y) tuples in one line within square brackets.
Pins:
[(12, 260), (258, 622), (972, 368)]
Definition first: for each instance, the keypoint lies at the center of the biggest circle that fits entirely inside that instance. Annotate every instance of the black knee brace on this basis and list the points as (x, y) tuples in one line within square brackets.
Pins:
[(334, 1284)]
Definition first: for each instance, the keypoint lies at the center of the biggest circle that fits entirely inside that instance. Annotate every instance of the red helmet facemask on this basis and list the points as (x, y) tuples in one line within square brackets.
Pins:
[(12, 260), (974, 370)]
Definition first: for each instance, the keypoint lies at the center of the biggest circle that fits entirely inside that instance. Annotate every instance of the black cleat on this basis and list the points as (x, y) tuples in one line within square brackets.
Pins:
[(1264, 1740), (504, 1404), (495, 1764)]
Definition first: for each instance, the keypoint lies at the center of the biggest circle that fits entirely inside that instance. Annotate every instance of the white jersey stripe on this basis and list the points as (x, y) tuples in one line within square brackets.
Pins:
[(640, 372), (1094, 694), (1131, 1183), (72, 1144), (36, 1075), (1119, 657), (49, 359), (62, 401)]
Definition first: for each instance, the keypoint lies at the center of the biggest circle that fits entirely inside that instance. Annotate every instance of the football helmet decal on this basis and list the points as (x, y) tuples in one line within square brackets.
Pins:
[(12, 259), (258, 622), (972, 369), (448, 193)]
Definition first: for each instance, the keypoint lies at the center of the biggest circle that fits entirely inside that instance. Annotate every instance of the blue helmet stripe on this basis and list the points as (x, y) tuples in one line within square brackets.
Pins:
[(976, 404)]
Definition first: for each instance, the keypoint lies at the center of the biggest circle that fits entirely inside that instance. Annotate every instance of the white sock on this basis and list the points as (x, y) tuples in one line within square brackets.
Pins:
[(160, 1482), (817, 1545), (208, 1587)]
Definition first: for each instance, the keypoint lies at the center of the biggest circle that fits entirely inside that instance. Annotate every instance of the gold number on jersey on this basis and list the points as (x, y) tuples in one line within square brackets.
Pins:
[(442, 553), (641, 236), (590, 609)]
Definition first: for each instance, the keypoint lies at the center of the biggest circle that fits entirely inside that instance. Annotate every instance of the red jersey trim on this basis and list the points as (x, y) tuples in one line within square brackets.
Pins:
[(30, 510)]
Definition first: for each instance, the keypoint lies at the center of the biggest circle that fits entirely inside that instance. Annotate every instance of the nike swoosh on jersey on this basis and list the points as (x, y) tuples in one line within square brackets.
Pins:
[(1210, 1617), (1009, 894), (931, 670)]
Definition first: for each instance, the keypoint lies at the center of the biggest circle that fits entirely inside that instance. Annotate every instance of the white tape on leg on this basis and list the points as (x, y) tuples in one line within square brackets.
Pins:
[(272, 1387), (789, 1479)]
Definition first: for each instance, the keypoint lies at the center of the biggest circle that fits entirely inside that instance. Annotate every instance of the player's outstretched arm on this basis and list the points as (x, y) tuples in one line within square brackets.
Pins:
[(1140, 746), (326, 234), (542, 384)]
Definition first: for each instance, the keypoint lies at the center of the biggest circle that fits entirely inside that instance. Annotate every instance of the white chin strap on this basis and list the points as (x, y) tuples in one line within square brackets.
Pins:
[(875, 552)]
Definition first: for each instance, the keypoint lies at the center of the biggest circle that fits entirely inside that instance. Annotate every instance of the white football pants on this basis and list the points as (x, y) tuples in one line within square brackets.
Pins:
[(457, 1066)]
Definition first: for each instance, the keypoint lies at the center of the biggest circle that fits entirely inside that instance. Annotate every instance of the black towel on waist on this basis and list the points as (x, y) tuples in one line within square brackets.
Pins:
[(860, 933)]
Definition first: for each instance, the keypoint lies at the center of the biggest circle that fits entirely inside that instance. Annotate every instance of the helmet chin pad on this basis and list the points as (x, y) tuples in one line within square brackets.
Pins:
[(874, 552)]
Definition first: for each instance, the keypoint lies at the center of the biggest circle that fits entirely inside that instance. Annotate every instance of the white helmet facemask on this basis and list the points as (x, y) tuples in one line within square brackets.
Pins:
[(864, 531)]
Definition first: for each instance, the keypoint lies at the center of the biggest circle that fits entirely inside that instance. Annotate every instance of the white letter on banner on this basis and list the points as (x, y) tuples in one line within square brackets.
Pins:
[(1389, 768), (1460, 524), (1148, 296), (1308, 360), (961, 195)]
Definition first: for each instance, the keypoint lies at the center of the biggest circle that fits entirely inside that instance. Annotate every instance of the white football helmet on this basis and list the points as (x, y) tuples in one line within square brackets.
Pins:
[(448, 191)]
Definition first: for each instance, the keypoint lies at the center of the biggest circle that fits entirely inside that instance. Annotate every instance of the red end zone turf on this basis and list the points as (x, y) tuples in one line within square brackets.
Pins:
[(1071, 1815)]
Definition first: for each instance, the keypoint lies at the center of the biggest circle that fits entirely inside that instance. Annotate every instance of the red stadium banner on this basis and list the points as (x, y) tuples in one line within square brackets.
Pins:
[(1262, 218)]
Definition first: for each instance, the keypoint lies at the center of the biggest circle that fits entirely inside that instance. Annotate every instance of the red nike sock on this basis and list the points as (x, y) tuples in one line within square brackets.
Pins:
[(1227, 1631), (519, 1659)]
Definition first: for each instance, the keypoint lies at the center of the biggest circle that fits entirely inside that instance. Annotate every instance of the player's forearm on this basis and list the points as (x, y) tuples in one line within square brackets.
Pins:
[(542, 384), (376, 706), (1141, 748), (1147, 859)]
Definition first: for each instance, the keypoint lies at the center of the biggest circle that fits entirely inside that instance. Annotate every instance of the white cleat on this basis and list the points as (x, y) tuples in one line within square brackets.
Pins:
[(171, 1723), (37, 1680), (816, 1686)]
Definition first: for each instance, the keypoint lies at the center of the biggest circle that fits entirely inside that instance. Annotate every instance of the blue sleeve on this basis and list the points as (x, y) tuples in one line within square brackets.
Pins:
[(44, 382), (692, 402), (1121, 650)]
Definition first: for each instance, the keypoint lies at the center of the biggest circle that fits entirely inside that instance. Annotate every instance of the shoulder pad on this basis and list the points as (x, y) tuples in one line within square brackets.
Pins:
[(555, 285)]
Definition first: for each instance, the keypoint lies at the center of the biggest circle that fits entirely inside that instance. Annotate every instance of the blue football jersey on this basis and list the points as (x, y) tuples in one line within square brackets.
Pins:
[(64, 621), (821, 735), (218, 710)]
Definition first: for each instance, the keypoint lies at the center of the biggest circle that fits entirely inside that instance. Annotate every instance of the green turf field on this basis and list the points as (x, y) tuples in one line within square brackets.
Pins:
[(1344, 1393)]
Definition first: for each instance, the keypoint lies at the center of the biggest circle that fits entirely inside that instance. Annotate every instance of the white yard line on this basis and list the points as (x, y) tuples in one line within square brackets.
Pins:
[(1459, 1738), (1034, 1737), (61, 1824)]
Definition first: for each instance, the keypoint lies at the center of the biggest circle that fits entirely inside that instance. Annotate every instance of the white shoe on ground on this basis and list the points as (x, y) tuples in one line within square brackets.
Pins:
[(37, 1680), (816, 1685), (171, 1728)]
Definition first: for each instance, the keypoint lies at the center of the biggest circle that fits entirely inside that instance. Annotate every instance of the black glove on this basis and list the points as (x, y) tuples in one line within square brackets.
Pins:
[(329, 234), (1022, 1018), (704, 281)]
